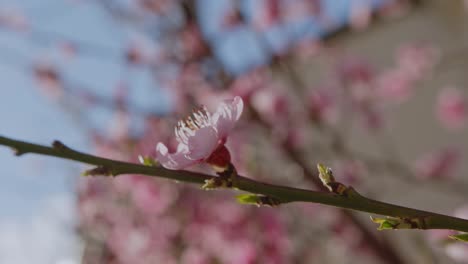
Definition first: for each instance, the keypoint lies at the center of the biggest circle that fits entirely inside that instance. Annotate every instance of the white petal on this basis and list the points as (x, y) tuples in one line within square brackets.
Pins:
[(173, 161), (237, 105), (227, 115), (203, 143)]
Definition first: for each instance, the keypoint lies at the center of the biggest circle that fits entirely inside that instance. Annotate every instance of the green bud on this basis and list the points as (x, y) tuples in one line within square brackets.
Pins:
[(248, 198), (148, 161)]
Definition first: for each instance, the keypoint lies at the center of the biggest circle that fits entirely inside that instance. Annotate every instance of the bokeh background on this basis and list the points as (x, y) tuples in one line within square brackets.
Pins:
[(374, 88)]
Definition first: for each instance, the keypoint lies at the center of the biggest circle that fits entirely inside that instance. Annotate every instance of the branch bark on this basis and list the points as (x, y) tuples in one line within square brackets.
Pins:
[(282, 193)]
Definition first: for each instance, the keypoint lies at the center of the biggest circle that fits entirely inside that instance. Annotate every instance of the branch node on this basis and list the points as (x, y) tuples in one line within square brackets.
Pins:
[(393, 223), (328, 180), (99, 171), (226, 179), (148, 161), (216, 182), (17, 151), (258, 200), (58, 145)]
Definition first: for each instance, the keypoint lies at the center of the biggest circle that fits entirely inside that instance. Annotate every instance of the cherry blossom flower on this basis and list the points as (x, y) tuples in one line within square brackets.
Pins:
[(452, 108), (202, 137)]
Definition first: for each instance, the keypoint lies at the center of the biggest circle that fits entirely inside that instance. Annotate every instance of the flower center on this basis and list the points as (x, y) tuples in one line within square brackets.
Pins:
[(220, 158), (199, 118)]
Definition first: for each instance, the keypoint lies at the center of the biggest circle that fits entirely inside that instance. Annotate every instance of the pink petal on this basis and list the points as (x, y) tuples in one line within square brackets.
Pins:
[(202, 144), (227, 115), (438, 164), (416, 59), (452, 108), (323, 105), (173, 161), (395, 85)]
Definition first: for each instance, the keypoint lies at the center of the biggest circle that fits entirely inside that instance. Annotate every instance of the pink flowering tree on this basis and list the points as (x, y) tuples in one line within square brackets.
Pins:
[(256, 132)]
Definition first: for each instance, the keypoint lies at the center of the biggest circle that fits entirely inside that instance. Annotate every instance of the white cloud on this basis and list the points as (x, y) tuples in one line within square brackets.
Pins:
[(47, 236)]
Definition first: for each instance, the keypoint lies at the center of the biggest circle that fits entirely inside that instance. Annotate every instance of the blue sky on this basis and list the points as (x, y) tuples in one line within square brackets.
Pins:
[(37, 193)]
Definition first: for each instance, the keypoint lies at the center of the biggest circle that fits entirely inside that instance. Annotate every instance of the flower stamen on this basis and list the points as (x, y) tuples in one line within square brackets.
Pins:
[(199, 118)]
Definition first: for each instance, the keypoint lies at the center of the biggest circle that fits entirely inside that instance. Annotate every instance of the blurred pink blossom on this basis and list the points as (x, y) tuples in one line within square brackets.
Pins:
[(395, 9), (272, 103), (49, 80), (193, 44), (119, 126), (14, 19), (416, 59), (155, 6), (395, 85), (437, 165), (295, 10), (68, 49), (134, 54), (247, 84), (202, 137), (152, 198), (140, 51), (371, 116), (350, 172), (269, 14), (194, 255), (436, 236), (452, 108), (361, 14), (323, 106), (231, 18), (307, 48), (355, 70)]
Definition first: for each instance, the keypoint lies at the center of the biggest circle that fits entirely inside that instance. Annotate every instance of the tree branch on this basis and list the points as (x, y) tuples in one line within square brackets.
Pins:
[(404, 217)]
